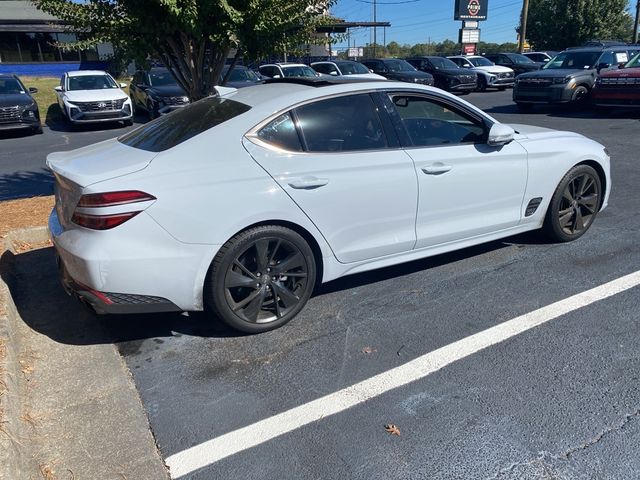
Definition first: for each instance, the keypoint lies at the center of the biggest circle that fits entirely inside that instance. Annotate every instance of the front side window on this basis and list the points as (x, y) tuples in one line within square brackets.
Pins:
[(170, 130), (634, 62), (91, 82), (301, 71), (432, 123), (341, 124), (281, 132), (441, 63), (325, 68), (399, 66)]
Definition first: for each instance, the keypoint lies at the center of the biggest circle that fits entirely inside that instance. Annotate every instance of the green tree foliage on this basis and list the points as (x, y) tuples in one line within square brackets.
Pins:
[(557, 24), (193, 38)]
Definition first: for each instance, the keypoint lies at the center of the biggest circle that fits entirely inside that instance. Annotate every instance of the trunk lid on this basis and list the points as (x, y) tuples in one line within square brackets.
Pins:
[(101, 161)]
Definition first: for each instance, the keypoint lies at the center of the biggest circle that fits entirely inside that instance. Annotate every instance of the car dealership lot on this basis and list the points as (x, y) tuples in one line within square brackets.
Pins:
[(560, 400)]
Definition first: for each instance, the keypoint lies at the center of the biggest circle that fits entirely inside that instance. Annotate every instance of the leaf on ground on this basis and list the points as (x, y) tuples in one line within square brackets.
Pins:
[(392, 429), (368, 350)]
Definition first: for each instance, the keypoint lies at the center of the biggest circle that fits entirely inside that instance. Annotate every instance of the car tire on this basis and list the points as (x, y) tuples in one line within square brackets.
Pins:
[(37, 130), (482, 84), (524, 107), (260, 279), (580, 96), (128, 123), (151, 111), (134, 107), (574, 204), (502, 89)]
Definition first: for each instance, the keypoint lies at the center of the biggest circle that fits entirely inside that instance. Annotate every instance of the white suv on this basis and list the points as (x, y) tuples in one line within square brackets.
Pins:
[(282, 70), (89, 96), (490, 75)]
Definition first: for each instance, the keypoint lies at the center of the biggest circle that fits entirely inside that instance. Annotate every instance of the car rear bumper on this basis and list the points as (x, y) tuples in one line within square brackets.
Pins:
[(134, 268)]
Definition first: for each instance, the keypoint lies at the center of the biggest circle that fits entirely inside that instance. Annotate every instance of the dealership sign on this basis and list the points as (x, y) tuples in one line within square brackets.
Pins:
[(470, 10)]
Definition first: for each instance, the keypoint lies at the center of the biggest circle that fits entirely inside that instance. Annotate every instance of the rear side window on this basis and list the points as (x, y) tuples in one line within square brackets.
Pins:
[(281, 133), (341, 124), (181, 125)]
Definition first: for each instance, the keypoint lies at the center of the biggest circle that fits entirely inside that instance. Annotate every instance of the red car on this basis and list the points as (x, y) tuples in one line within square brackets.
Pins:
[(619, 88)]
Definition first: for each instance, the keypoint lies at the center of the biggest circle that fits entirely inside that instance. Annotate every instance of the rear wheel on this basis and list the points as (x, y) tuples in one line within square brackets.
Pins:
[(574, 204), (261, 278)]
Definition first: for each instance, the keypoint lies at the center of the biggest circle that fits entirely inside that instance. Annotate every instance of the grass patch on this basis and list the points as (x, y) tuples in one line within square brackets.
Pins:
[(47, 99)]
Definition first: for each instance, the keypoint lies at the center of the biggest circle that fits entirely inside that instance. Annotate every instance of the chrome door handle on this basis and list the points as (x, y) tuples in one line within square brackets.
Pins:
[(308, 183), (436, 168)]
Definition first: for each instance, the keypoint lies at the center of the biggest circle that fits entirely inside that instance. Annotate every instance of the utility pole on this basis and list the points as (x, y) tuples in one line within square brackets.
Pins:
[(375, 30), (635, 27), (523, 25)]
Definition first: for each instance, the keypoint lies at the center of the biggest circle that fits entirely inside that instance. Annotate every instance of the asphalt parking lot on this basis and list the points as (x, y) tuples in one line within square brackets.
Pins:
[(561, 400)]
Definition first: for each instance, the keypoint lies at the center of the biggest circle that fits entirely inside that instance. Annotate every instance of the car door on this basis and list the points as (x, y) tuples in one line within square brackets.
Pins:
[(338, 163), (466, 187)]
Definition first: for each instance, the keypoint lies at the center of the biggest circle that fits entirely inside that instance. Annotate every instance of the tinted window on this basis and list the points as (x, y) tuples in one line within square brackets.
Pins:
[(299, 71), (269, 71), (430, 123), (10, 86), (341, 124), (281, 133), (399, 66), (171, 130), (161, 78), (324, 68), (607, 58), (439, 63)]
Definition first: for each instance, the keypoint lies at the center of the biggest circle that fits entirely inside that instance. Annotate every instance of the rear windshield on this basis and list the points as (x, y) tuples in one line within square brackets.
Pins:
[(170, 130)]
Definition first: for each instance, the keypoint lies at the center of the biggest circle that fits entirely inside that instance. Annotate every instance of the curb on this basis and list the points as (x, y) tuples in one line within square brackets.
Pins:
[(114, 440), (10, 451)]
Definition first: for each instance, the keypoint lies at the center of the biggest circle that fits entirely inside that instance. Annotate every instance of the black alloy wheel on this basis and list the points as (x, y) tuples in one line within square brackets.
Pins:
[(574, 204), (261, 278)]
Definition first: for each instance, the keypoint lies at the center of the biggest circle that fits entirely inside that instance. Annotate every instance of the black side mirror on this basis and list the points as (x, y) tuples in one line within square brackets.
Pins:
[(33, 90)]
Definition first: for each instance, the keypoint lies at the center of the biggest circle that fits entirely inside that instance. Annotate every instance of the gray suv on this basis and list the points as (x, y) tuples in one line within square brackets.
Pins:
[(569, 76)]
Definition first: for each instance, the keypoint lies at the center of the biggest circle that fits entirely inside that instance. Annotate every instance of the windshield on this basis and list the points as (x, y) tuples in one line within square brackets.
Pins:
[(573, 60), (399, 66), (634, 62), (299, 71), (480, 62), (91, 82), (517, 58), (352, 68), (9, 86), (162, 78), (440, 63), (241, 75)]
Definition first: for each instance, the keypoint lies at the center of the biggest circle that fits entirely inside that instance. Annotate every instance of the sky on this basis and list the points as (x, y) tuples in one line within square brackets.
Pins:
[(417, 21)]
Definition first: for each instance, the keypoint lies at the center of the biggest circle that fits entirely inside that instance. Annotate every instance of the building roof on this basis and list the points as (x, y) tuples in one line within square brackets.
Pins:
[(19, 11)]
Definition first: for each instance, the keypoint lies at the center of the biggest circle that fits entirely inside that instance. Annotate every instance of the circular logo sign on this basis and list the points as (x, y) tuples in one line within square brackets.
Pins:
[(473, 7)]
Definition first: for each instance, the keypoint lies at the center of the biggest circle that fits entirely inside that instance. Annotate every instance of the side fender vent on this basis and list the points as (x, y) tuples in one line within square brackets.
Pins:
[(533, 206)]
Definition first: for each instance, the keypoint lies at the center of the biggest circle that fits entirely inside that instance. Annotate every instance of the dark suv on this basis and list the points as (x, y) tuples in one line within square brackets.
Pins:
[(396, 69), (446, 74), (516, 62), (18, 109), (156, 92), (570, 76)]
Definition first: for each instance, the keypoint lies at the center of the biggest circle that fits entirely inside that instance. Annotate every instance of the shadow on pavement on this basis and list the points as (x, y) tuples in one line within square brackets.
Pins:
[(24, 184), (44, 306)]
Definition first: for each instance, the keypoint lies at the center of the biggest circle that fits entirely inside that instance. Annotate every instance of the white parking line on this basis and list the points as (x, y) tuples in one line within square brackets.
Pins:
[(214, 450)]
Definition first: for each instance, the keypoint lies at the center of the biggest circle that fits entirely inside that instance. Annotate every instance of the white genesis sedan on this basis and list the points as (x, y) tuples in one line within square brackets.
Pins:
[(242, 202)]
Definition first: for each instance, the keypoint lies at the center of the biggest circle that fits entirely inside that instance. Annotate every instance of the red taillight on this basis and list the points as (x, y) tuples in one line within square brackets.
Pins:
[(95, 201), (112, 199), (101, 222)]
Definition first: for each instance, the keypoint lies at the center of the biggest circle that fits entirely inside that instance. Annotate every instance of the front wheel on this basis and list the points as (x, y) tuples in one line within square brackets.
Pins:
[(580, 95), (574, 205), (482, 84), (261, 278)]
